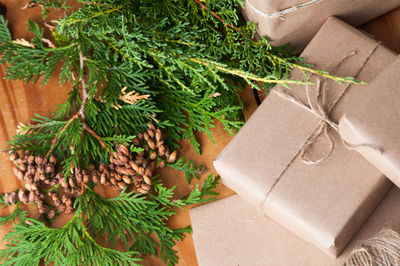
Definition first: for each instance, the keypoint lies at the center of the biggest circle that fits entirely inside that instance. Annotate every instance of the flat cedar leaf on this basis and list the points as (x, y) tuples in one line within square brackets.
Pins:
[(5, 35), (186, 167), (17, 213), (205, 194)]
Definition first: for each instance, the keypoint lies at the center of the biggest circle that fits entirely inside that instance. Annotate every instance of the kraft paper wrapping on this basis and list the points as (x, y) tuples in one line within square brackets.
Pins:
[(299, 25), (230, 232), (374, 123), (324, 203)]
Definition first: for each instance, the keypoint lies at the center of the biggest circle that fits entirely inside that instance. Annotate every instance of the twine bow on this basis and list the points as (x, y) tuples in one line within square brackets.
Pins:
[(322, 111), (323, 129), (282, 13)]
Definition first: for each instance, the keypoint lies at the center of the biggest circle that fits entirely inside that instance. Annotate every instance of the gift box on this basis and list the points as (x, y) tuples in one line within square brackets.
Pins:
[(372, 126), (289, 161), (297, 21), (231, 232)]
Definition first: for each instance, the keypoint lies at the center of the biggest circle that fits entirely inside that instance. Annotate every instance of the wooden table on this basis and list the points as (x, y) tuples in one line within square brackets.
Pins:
[(20, 101)]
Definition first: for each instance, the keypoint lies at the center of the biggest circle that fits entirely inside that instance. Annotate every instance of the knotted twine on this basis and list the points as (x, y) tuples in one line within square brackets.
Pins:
[(322, 110), (381, 250), (280, 14)]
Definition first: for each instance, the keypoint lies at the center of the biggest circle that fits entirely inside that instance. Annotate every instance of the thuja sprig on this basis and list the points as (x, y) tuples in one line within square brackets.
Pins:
[(176, 52), (264, 45), (81, 113), (31, 242), (130, 218)]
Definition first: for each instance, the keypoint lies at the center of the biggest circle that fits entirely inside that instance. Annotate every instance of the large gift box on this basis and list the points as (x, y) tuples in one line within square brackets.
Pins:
[(297, 21), (289, 161), (372, 127), (230, 232)]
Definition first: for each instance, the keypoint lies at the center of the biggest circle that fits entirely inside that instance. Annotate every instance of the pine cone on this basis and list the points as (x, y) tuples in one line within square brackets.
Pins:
[(125, 169)]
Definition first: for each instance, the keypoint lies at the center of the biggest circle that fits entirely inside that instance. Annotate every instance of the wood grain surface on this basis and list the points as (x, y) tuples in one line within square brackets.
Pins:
[(19, 102)]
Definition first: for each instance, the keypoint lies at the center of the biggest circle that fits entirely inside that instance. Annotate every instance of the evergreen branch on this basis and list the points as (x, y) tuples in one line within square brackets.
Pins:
[(188, 168), (94, 134), (183, 86), (216, 15), (205, 194), (134, 215), (5, 35), (82, 110), (244, 74), (17, 213), (70, 245), (54, 140), (85, 98), (303, 68), (98, 14), (321, 73), (119, 217)]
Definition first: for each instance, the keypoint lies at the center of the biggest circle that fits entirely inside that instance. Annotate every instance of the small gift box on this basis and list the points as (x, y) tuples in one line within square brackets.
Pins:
[(297, 21), (372, 126), (289, 161), (230, 232)]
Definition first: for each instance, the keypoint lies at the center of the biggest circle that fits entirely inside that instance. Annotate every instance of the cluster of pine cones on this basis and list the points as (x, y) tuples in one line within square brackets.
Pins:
[(137, 169), (126, 168), (35, 172)]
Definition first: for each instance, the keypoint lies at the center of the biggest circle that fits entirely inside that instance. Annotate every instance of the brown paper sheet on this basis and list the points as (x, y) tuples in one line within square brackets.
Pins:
[(231, 232), (373, 125), (325, 203), (299, 26)]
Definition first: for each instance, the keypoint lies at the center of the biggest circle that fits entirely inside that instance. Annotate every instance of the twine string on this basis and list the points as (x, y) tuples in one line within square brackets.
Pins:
[(280, 14), (321, 111), (381, 250)]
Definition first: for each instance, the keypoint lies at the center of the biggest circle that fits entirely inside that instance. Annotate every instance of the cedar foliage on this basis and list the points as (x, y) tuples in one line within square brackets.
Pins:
[(179, 63)]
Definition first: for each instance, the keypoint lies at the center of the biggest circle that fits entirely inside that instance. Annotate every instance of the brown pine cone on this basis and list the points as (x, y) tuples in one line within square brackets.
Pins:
[(51, 214), (22, 196)]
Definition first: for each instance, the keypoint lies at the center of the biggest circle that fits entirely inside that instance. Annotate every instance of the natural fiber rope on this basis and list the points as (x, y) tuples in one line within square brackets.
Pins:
[(322, 111), (381, 250), (280, 14)]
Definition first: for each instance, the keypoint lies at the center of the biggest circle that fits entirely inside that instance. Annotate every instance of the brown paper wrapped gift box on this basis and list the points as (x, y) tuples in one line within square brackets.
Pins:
[(230, 232), (299, 25), (323, 203), (374, 124)]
